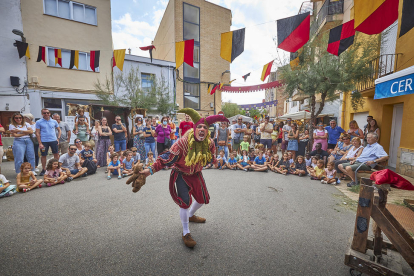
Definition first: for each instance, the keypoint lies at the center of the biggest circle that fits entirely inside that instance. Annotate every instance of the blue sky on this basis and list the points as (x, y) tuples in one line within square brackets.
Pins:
[(135, 22)]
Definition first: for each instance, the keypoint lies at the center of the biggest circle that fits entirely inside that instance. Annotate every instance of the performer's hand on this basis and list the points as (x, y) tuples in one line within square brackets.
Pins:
[(146, 172)]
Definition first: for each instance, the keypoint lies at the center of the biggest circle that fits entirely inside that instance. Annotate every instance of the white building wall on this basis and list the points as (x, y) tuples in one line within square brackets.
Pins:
[(10, 64)]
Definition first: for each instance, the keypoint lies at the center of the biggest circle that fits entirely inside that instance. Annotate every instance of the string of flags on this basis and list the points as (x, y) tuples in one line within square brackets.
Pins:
[(184, 52)]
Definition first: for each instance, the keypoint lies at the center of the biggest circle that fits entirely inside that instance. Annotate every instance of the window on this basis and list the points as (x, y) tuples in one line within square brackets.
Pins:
[(84, 63), (192, 95), (52, 103), (191, 14), (192, 72), (294, 103), (70, 10), (191, 31), (147, 81)]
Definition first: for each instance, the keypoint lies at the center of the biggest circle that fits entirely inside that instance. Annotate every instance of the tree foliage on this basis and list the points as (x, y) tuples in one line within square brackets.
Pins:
[(126, 90), (230, 109)]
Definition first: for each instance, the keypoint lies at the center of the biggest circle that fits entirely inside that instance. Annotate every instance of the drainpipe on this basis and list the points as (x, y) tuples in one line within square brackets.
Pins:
[(343, 109)]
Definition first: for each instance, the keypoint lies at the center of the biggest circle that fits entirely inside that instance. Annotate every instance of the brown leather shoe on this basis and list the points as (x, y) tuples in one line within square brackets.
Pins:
[(197, 219), (188, 241)]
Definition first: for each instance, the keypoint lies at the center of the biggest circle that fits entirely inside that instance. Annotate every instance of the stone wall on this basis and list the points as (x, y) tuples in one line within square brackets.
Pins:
[(405, 162)]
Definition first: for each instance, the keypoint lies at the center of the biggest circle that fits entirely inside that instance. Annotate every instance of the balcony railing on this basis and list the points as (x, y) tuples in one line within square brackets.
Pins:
[(328, 8), (380, 67)]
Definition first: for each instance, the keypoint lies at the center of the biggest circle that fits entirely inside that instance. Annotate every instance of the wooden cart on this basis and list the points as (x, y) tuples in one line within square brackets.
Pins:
[(371, 254)]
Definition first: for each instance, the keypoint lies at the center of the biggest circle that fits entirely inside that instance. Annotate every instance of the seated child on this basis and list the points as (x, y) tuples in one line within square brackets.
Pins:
[(308, 160), (26, 180), (114, 167), (273, 163), (135, 155), (268, 155), (121, 156), (111, 151), (314, 163), (221, 161), (330, 174), (87, 153), (290, 157), (128, 164), (252, 155), (319, 171), (259, 163), (5, 188), (283, 166), (150, 160), (300, 166), (245, 144), (54, 174), (80, 114), (232, 162), (243, 163)]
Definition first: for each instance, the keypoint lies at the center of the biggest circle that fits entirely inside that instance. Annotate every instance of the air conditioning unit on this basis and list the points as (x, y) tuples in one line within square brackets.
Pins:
[(35, 80), (306, 102)]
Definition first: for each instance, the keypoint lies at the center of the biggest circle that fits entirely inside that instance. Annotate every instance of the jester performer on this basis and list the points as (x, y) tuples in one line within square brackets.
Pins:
[(187, 157)]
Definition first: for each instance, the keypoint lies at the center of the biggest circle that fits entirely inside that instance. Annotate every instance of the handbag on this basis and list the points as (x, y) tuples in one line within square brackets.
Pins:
[(167, 140)]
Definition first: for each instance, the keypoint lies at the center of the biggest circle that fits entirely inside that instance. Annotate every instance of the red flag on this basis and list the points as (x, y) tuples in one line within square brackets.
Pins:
[(148, 48)]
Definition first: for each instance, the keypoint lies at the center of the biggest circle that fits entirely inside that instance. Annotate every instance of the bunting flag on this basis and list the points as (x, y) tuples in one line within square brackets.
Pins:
[(184, 52), (74, 59), (118, 59), (232, 44), (374, 16), (341, 37), (252, 88), (293, 32), (407, 18), (266, 70), (94, 59), (220, 85), (245, 77), (294, 60), (23, 49), (42, 54), (231, 81), (58, 57), (214, 88), (148, 48), (209, 88)]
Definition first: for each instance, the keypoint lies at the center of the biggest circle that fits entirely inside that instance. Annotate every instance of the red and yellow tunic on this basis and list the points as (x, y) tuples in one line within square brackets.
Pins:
[(175, 158)]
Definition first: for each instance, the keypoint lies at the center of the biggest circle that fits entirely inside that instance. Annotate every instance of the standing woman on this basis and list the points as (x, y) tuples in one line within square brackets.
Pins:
[(22, 144), (293, 136), (275, 137), (94, 134), (354, 130), (280, 137), (320, 135), (139, 138), (163, 131), (223, 138), (149, 142), (303, 142), (30, 120), (103, 143), (373, 127)]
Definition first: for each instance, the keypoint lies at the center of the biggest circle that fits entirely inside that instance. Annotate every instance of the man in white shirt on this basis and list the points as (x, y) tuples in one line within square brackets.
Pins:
[(266, 129), (285, 140)]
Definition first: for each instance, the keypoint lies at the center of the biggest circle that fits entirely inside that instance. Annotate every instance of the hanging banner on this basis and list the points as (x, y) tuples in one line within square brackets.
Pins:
[(253, 88), (258, 105)]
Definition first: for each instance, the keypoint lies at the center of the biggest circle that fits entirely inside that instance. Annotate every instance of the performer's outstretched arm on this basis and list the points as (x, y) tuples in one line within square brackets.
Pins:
[(166, 159)]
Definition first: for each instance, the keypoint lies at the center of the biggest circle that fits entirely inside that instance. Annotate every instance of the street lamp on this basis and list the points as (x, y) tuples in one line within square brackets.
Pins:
[(19, 33)]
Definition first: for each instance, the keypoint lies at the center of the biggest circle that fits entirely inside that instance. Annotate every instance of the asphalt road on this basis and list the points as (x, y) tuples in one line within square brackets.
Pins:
[(257, 224)]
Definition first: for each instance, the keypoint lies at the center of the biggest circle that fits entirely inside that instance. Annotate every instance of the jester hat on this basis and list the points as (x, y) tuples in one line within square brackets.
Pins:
[(197, 119)]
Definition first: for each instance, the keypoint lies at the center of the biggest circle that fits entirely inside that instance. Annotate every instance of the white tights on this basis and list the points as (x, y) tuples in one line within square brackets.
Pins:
[(185, 214)]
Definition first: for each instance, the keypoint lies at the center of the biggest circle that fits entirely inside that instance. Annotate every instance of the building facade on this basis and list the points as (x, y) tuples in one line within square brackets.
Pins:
[(277, 93), (11, 100), (66, 25), (204, 22), (394, 113)]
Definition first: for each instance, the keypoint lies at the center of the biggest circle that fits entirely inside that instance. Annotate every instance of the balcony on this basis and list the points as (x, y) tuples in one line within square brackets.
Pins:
[(326, 14), (380, 67)]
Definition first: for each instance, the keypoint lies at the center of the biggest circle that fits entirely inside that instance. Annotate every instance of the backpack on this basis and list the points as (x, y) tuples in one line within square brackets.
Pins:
[(90, 165)]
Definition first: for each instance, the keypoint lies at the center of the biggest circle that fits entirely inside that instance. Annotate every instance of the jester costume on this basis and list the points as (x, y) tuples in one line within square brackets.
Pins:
[(187, 157)]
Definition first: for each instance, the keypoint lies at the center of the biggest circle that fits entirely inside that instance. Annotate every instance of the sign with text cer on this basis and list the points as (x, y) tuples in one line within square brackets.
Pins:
[(396, 87)]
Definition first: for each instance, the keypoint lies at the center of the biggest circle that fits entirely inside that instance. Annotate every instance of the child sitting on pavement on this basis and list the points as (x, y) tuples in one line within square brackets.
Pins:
[(26, 180), (114, 167), (274, 162), (135, 155), (308, 160), (283, 166), (290, 157), (300, 166), (150, 160), (54, 174), (243, 163), (319, 171), (128, 164), (252, 155), (330, 174), (311, 168), (259, 163), (5, 188), (111, 151), (87, 153), (221, 161), (232, 162)]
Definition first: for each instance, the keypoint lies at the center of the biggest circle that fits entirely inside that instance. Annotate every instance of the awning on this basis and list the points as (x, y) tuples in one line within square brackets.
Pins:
[(397, 84), (302, 115)]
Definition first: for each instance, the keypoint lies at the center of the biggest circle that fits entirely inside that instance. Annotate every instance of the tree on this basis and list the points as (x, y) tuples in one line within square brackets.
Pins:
[(126, 90), (230, 109), (254, 112), (320, 73)]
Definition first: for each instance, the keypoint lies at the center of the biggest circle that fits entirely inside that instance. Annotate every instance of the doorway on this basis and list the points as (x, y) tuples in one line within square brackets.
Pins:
[(395, 134)]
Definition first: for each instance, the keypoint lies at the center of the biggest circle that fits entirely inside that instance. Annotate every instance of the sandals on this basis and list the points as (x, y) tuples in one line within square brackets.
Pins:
[(109, 177)]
